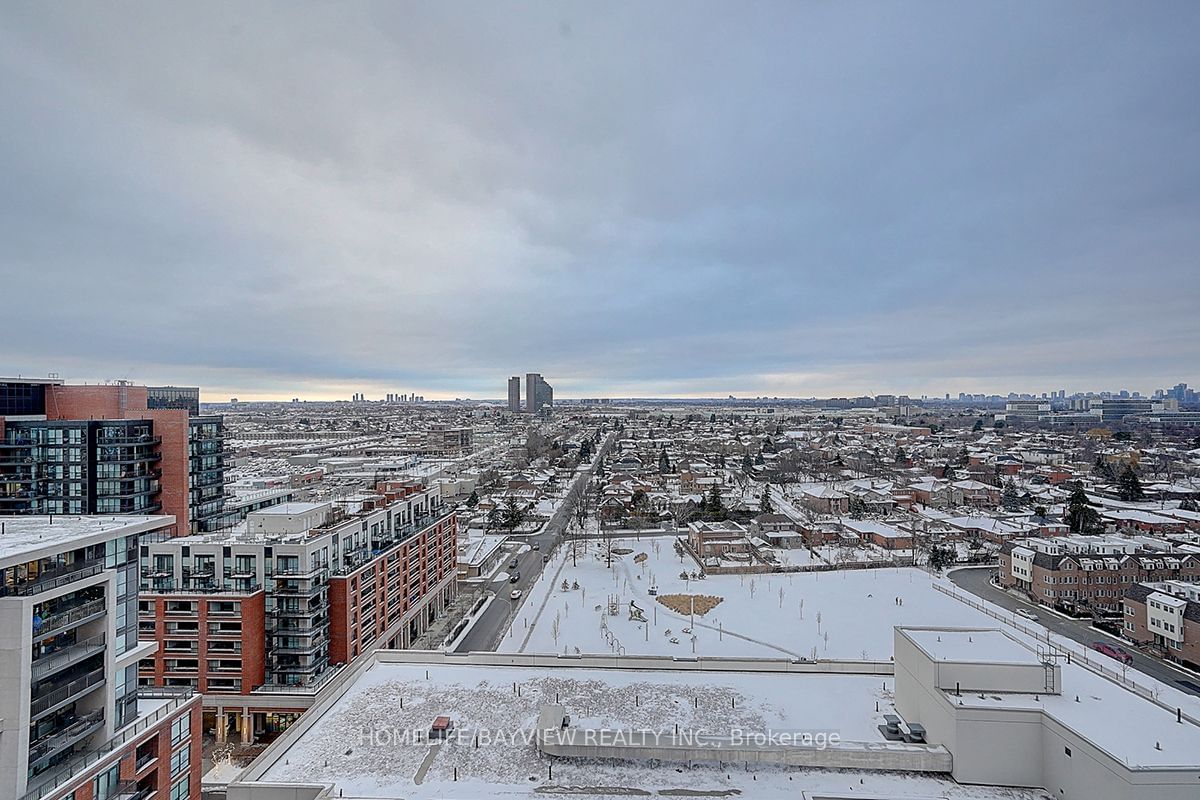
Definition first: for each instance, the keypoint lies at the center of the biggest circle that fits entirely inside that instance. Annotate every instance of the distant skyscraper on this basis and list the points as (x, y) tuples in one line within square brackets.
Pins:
[(514, 394), (538, 393)]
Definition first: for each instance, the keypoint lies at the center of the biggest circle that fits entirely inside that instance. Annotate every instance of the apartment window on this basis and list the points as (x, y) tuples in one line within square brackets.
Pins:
[(181, 761), (180, 790), (181, 729), (105, 784)]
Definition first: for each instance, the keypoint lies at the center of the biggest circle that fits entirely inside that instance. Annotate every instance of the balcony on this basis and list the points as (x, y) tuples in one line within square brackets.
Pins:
[(52, 697), (122, 441), (52, 579), (294, 588), (49, 746), (52, 660), (132, 790), (66, 619)]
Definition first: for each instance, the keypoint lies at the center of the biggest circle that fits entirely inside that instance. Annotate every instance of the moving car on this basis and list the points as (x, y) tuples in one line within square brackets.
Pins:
[(1027, 614), (513, 563), (1112, 651), (537, 545), (515, 594), (513, 578)]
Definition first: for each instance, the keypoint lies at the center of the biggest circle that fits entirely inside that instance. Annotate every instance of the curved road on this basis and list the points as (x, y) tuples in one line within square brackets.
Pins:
[(978, 582)]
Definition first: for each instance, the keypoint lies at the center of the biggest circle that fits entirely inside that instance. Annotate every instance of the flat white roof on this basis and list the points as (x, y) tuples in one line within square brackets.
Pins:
[(25, 538), (358, 744), (971, 646)]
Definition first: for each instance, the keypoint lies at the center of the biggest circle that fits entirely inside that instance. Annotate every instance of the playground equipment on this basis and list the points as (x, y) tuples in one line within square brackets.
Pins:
[(636, 614)]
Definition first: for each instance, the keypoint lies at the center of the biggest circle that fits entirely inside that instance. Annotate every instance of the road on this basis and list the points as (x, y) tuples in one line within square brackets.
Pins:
[(485, 634), (978, 582)]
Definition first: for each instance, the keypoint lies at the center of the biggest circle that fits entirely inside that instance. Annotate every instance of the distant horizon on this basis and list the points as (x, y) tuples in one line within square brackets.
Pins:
[(375, 393)]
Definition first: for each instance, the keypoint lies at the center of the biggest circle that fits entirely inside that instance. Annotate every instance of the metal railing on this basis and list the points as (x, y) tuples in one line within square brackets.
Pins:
[(54, 660), (54, 579), (43, 702), (49, 782), (62, 619), (53, 743)]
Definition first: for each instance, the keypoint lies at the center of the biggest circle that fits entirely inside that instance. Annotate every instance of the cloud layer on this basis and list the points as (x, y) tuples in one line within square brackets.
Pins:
[(634, 199)]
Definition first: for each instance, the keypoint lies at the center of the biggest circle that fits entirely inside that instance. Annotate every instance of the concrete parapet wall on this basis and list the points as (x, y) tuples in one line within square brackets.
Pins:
[(627, 662)]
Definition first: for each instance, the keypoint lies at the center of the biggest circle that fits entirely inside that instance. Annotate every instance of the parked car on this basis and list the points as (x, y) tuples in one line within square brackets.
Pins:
[(545, 559), (514, 577), (515, 594), (1027, 614), (1112, 651)]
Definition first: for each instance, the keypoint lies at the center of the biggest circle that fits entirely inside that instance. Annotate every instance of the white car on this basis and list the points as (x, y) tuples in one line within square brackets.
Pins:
[(515, 594), (1027, 614)]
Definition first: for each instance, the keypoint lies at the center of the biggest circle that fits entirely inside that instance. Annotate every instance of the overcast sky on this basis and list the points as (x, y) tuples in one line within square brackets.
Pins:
[(651, 199)]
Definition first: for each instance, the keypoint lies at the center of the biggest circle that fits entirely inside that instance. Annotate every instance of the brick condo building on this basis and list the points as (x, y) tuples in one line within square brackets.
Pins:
[(260, 617), (110, 449), (1086, 573)]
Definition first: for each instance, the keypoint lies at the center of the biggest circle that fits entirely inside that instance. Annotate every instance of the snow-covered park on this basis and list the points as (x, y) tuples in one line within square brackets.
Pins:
[(840, 614)]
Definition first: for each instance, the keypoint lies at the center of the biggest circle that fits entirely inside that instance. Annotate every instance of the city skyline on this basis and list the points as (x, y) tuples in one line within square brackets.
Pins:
[(781, 201)]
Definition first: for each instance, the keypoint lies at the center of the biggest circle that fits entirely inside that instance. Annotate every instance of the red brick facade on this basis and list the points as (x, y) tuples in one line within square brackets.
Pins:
[(228, 641), (365, 604)]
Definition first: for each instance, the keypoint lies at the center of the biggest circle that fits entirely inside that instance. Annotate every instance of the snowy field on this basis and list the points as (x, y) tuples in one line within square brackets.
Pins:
[(843, 614), (361, 745)]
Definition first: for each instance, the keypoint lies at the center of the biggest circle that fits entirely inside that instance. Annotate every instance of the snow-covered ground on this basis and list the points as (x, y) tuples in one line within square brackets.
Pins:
[(844, 614), (362, 746)]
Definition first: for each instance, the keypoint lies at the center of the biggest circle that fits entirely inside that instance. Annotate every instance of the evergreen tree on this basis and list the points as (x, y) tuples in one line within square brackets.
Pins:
[(747, 465), (1103, 469), (940, 556), (1129, 488), (963, 457), (759, 460), (473, 500), (664, 462), (494, 518), (714, 508), (514, 515), (901, 456), (764, 502), (978, 425), (1081, 517), (1010, 497)]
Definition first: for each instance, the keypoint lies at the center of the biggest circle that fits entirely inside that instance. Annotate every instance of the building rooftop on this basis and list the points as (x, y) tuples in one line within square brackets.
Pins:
[(24, 538), (355, 739), (971, 646), (1134, 729)]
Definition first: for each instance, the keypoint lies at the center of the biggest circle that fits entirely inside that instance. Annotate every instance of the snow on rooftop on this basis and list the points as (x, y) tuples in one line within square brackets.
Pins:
[(357, 744), (971, 646), (23, 535)]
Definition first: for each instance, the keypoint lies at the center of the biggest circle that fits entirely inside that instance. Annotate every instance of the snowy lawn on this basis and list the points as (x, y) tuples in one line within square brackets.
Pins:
[(844, 614)]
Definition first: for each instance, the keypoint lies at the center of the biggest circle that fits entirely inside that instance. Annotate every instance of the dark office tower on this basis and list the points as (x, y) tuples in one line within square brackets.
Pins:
[(514, 394), (538, 393)]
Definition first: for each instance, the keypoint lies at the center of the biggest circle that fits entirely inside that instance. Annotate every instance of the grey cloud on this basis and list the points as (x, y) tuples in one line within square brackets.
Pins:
[(667, 198)]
